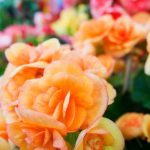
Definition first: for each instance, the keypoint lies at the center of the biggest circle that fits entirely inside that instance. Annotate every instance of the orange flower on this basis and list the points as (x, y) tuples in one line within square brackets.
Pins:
[(97, 66), (48, 105), (10, 88), (3, 133), (4, 144), (122, 37), (130, 125), (46, 91), (20, 53), (142, 18), (87, 63), (109, 62), (66, 93), (103, 135), (36, 132), (94, 30)]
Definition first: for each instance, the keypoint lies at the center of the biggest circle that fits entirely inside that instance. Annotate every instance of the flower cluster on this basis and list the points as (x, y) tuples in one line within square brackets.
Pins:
[(117, 37), (15, 33), (49, 91), (134, 125)]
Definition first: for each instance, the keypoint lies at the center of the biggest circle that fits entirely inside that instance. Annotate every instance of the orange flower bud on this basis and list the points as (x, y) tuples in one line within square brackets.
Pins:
[(130, 125)]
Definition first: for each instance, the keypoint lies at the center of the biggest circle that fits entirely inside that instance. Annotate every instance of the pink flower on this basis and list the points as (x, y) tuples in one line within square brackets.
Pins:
[(98, 7), (19, 31), (41, 19), (5, 39), (101, 7), (68, 3), (134, 6)]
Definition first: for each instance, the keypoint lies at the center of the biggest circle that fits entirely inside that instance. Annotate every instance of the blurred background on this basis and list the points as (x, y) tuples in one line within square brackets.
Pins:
[(33, 21)]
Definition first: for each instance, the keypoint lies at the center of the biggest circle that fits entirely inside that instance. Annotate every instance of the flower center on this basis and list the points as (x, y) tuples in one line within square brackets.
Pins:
[(95, 142)]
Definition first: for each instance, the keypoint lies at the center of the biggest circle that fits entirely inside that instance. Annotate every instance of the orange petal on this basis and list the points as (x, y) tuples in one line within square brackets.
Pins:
[(66, 103), (70, 113), (15, 134), (18, 53), (100, 97), (40, 119), (56, 67), (58, 141), (80, 115)]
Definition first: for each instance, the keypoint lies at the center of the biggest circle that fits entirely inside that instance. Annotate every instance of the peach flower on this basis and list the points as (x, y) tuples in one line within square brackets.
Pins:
[(11, 86), (45, 88), (103, 135), (66, 93), (142, 18), (47, 107), (130, 125), (94, 30), (20, 53), (36, 132), (123, 36), (97, 66), (4, 142), (109, 62)]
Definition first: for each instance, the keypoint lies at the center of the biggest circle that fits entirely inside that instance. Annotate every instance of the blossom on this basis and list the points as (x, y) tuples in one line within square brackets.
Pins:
[(10, 89), (36, 132), (102, 7), (4, 143), (103, 135), (130, 125), (47, 107), (98, 7), (123, 36), (41, 98), (5, 39), (19, 31), (109, 62), (67, 24), (100, 28), (61, 100), (135, 6), (142, 17), (20, 53)]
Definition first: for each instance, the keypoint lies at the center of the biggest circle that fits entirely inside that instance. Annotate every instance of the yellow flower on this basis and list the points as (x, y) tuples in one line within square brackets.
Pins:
[(102, 135), (70, 20)]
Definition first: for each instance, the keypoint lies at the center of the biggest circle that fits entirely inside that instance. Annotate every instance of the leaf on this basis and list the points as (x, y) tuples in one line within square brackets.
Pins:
[(72, 137), (141, 89), (3, 63), (117, 79)]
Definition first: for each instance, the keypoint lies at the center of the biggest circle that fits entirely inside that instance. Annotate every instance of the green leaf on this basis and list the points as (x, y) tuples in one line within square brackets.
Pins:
[(141, 89), (3, 63), (116, 79), (72, 137)]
